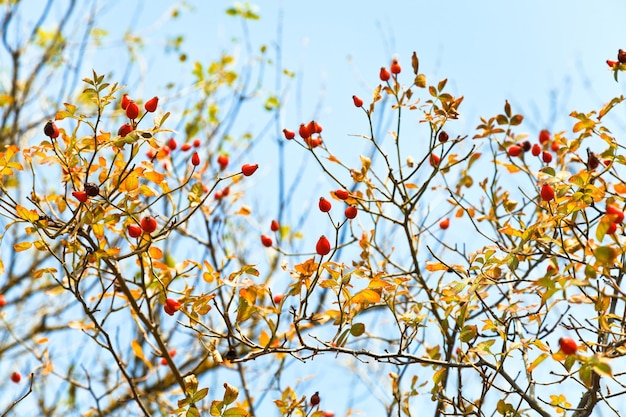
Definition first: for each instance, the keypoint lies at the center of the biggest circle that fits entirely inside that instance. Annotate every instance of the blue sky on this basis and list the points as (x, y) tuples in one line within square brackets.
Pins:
[(541, 55)]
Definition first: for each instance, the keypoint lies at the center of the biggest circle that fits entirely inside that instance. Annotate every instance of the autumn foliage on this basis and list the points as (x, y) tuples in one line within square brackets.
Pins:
[(480, 272)]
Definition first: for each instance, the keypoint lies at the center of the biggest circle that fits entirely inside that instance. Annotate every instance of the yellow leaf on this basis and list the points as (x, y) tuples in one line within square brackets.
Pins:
[(620, 188), (131, 183), (436, 266), (366, 296), (154, 176), (25, 214), (19, 247), (244, 211), (139, 353), (155, 253), (537, 361), (410, 185), (42, 340)]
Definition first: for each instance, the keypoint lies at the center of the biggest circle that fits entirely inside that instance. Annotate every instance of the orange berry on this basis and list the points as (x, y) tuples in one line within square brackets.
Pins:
[(222, 160), (196, 143), (289, 134), (278, 298), (3, 300), (81, 196), (555, 146), (303, 131), (444, 224), (384, 74), (185, 146), (395, 67)]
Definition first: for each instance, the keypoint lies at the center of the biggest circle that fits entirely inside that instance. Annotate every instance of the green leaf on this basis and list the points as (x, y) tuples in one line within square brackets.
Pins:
[(605, 255), (230, 395), (357, 329), (271, 103), (468, 333), (198, 396)]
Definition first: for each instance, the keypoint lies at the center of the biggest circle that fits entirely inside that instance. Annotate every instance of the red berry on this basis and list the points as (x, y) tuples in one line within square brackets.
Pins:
[(125, 101), (514, 150), (547, 193), (218, 195), (222, 160), (621, 56), (172, 144), (612, 64), (274, 226), (384, 74), (536, 150), (443, 136), (567, 345), (226, 191), (278, 298), (547, 157), (266, 241), (3, 300), (185, 146), (249, 169), (351, 212), (303, 131), (434, 160), (342, 194), (196, 143), (555, 146), (607, 162), (444, 224), (314, 127), (132, 111), (612, 229), (16, 377), (172, 354), (328, 413), (552, 269), (195, 159), (324, 205), (171, 306), (134, 230), (51, 130), (544, 136), (315, 399), (395, 67), (124, 129), (148, 224), (151, 105), (613, 210), (81, 196), (357, 101), (323, 246), (289, 134)]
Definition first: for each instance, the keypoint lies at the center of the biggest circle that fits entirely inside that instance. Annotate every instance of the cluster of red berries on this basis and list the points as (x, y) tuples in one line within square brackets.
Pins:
[(148, 225), (617, 217), (265, 239), (89, 190), (172, 354), (537, 149), (394, 69), (171, 145), (309, 132), (132, 112), (350, 212)]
